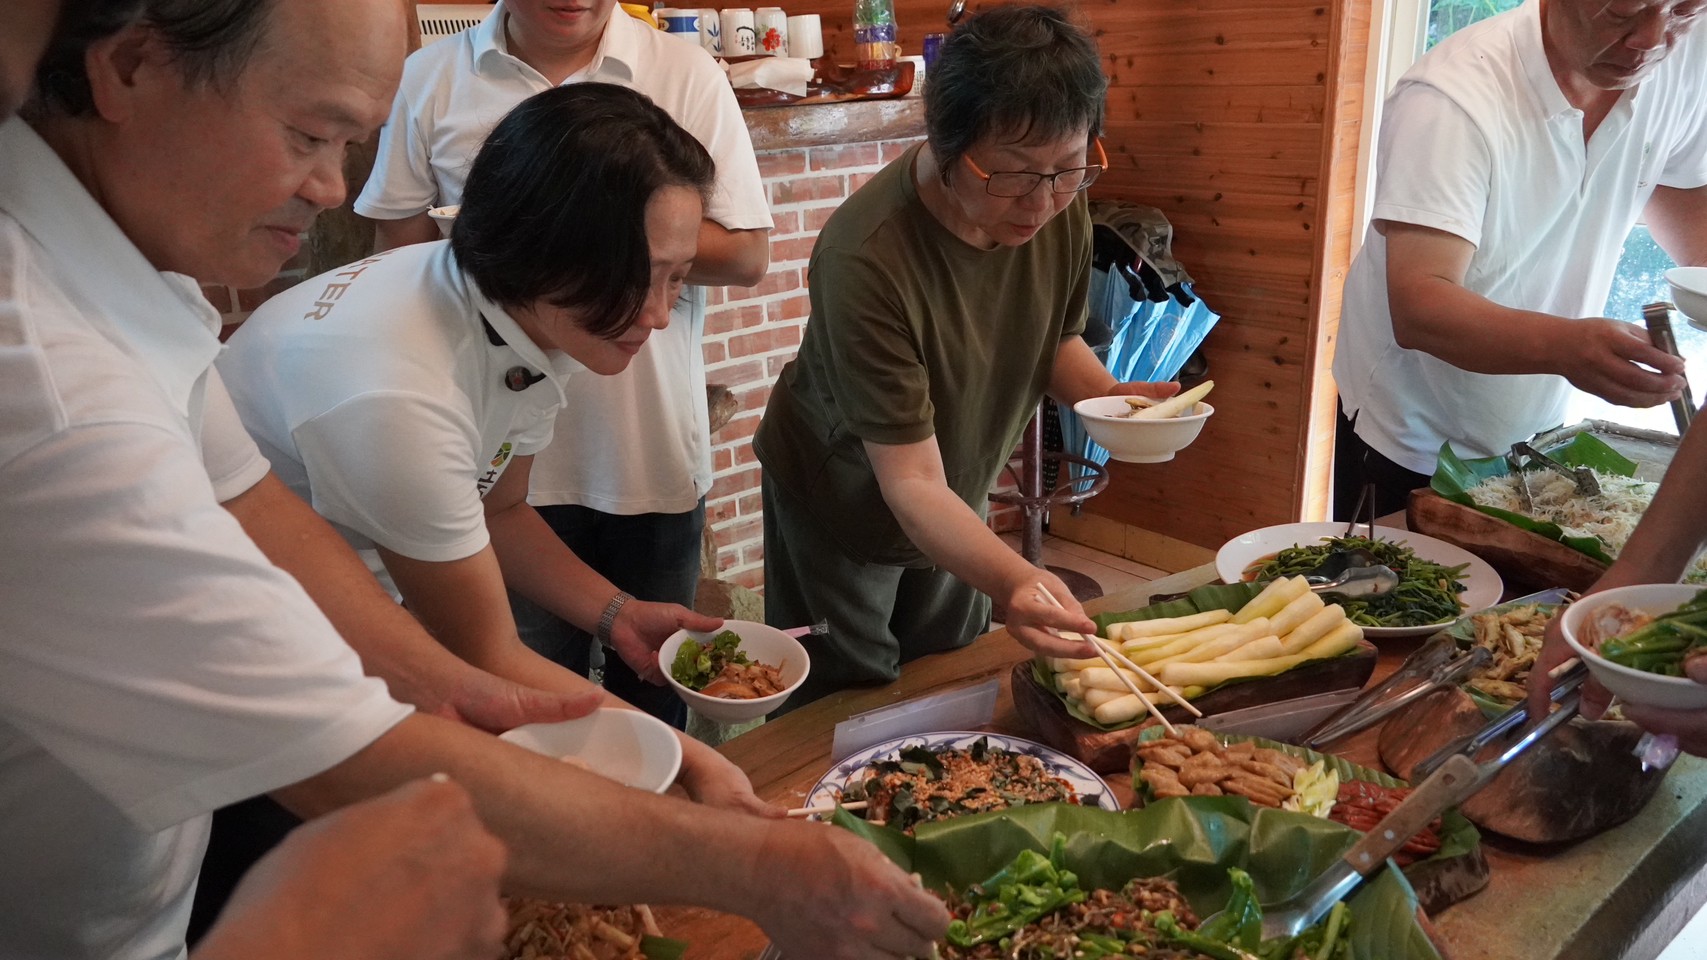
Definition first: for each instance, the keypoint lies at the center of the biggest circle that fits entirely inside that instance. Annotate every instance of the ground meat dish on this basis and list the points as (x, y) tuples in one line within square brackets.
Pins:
[(925, 784), (558, 931), (1103, 912)]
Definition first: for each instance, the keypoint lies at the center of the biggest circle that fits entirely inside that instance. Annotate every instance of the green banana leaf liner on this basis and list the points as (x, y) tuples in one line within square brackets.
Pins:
[(1458, 836), (663, 948), (1192, 841), (1455, 477), (1215, 596)]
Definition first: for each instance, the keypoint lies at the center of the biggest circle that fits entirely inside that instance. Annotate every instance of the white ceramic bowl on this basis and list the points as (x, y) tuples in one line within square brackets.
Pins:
[(630, 747), (761, 644), (1635, 686), (1139, 441), (1689, 292), (445, 217), (1482, 584)]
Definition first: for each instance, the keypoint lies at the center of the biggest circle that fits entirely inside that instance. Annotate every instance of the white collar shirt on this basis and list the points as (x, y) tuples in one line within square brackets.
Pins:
[(638, 442), (1479, 141), (153, 665), (379, 395)]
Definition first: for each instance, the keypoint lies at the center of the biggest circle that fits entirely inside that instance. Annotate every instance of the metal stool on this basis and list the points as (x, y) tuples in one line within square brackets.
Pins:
[(1035, 502)]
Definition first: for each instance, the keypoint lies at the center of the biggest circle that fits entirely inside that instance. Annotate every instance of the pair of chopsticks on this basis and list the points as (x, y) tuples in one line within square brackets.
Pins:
[(826, 808), (1119, 663)]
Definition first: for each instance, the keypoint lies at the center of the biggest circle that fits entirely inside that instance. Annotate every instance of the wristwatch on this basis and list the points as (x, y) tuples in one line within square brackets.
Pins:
[(607, 620)]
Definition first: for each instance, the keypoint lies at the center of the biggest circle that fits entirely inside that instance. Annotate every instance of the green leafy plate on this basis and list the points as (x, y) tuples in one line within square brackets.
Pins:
[(1192, 843)]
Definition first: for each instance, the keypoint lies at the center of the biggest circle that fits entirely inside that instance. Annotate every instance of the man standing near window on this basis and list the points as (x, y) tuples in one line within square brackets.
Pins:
[(624, 480), (1513, 160)]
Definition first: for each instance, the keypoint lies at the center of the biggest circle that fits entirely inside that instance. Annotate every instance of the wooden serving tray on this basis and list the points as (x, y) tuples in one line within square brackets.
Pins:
[(1110, 751), (837, 84), (1526, 561)]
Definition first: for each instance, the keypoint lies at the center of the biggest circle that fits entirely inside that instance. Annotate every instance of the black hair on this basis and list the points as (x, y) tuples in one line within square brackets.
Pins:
[(211, 42), (1025, 71), (555, 204)]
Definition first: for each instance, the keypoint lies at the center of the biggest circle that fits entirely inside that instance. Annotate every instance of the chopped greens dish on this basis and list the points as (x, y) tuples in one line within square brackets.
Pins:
[(1662, 643), (697, 664), (922, 784), (1427, 592), (1034, 909)]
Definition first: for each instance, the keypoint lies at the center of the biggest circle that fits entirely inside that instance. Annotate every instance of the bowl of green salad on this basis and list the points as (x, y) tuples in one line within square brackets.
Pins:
[(739, 672)]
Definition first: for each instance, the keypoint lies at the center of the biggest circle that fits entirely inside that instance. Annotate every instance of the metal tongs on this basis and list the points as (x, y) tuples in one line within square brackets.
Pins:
[(1583, 477), (1566, 693), (1430, 668), (1657, 318)]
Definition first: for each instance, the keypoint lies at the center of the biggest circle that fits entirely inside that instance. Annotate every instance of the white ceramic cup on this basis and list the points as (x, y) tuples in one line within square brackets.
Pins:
[(806, 36), (710, 31), (740, 38), (770, 25), (680, 22)]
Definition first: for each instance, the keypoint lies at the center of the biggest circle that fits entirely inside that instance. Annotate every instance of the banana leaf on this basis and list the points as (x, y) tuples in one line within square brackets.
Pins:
[(1192, 841), (1455, 477), (1214, 596), (1458, 836), (663, 948)]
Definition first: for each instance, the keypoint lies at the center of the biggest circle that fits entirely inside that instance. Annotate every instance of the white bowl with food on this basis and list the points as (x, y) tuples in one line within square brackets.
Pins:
[(1689, 292), (633, 748), (1603, 616), (445, 217), (713, 679), (1240, 558), (1123, 427)]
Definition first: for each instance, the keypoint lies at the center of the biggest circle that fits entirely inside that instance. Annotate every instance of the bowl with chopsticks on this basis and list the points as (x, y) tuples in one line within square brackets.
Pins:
[(1136, 432), (633, 748), (744, 694), (1629, 657)]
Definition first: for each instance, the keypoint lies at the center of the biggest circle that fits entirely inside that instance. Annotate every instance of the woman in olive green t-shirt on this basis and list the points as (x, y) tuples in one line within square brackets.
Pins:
[(948, 295)]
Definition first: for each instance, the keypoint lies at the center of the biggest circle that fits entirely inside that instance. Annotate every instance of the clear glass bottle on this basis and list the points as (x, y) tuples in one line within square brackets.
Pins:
[(874, 34)]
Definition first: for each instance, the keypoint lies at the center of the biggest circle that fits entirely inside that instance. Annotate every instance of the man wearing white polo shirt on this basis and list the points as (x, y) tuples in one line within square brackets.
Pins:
[(1513, 160), (623, 483)]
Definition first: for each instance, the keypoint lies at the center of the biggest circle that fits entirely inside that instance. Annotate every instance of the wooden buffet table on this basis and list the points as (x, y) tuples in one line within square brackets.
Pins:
[(1620, 896)]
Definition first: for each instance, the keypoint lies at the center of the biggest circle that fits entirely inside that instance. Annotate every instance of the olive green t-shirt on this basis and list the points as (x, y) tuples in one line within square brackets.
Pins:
[(915, 333)]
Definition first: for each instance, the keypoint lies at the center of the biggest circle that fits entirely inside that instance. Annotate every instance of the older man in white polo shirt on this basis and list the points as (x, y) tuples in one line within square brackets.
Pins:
[(1513, 160), (153, 663), (623, 483)]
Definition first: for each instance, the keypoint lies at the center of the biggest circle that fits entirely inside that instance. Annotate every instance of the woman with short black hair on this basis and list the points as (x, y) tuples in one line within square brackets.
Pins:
[(404, 395), (948, 295)]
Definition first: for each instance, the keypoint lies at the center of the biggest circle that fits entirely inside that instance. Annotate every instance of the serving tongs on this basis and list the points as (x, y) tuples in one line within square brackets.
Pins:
[(1434, 665), (1583, 477), (1565, 692), (1657, 318), (1457, 778)]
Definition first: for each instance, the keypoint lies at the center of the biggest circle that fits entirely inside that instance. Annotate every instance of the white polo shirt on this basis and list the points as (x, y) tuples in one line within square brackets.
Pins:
[(638, 442), (1479, 141), (380, 397), (153, 665)]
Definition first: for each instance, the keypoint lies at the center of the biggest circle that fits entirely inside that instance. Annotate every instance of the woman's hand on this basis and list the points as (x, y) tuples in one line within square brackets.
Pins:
[(710, 778), (1034, 621), (641, 627)]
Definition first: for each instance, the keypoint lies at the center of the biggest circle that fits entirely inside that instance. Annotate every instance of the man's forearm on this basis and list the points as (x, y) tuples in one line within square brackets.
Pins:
[(537, 565), (955, 538), (1078, 374), (729, 257), (420, 228), (1471, 332)]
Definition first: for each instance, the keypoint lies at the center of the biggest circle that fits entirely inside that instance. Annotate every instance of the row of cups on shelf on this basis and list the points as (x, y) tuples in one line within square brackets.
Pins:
[(744, 32)]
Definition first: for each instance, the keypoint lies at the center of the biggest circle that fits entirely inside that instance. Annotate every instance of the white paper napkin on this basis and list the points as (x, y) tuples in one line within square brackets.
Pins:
[(788, 74)]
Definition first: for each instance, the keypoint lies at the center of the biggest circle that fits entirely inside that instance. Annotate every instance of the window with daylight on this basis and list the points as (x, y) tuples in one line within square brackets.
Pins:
[(1413, 26)]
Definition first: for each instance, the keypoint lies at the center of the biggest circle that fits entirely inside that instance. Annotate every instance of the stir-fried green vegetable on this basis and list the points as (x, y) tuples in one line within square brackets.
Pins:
[(1661, 646), (1037, 892), (1427, 592), (697, 664)]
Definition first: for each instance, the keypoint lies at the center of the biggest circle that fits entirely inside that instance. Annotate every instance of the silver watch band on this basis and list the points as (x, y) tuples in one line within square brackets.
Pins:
[(607, 620)]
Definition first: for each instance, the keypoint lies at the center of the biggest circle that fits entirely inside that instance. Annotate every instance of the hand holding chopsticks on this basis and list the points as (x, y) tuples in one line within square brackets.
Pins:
[(1119, 663)]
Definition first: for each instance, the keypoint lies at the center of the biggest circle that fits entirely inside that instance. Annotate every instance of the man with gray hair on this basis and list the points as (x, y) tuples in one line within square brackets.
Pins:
[(154, 662)]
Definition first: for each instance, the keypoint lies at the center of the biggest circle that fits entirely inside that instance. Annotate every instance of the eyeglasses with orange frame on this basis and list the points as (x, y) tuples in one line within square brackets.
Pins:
[(1011, 184)]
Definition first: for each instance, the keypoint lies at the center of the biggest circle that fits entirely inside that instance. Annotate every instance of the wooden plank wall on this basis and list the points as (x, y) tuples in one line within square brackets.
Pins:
[(1239, 120)]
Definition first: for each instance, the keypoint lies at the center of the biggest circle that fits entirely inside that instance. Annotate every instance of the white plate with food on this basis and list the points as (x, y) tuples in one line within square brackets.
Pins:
[(1244, 556), (1045, 775)]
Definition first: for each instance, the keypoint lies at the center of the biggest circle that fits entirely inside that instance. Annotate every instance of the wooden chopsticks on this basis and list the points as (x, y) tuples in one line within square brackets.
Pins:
[(1120, 664)]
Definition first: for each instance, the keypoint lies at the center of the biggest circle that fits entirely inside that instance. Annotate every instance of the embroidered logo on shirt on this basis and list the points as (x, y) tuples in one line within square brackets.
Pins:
[(490, 477)]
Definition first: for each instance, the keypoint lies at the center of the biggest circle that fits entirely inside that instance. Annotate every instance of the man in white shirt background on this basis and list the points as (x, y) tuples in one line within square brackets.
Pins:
[(154, 663), (1513, 160), (624, 480)]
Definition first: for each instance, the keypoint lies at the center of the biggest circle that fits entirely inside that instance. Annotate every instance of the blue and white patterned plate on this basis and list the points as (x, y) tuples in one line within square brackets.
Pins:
[(1092, 791)]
